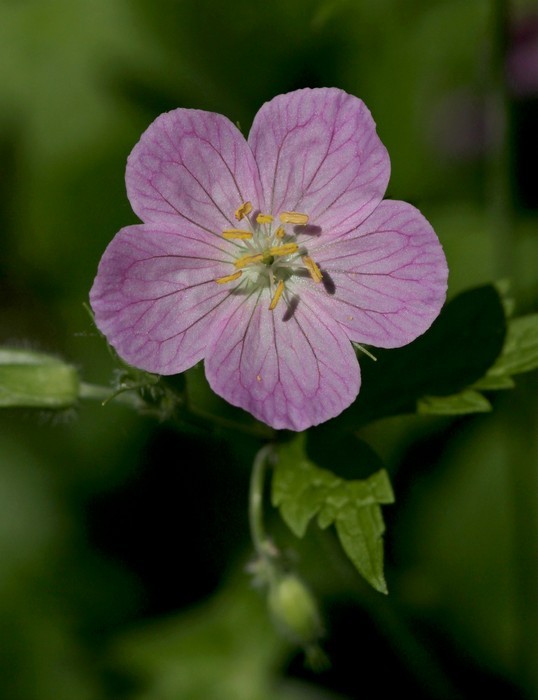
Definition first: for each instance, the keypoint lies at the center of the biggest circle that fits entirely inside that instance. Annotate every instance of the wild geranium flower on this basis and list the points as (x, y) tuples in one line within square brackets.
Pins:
[(265, 257)]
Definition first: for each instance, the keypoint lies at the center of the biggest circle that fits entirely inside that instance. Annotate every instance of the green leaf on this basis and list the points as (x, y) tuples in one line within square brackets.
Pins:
[(302, 491), (467, 401), (520, 351), (519, 354), (459, 348), (490, 382)]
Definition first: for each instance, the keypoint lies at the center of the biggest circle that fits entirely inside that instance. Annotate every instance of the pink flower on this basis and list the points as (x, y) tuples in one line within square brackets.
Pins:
[(267, 257)]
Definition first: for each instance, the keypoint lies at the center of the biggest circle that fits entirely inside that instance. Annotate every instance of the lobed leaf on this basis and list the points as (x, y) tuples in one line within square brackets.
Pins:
[(303, 491)]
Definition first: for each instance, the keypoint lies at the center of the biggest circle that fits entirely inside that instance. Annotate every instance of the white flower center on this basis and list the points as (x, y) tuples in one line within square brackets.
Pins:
[(267, 255)]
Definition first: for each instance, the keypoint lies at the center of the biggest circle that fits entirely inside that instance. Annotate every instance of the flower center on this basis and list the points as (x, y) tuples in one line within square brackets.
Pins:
[(267, 252)]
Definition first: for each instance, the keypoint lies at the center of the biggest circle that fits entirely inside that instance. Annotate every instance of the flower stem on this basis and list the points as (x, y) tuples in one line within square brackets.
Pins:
[(96, 392), (262, 544), (129, 397)]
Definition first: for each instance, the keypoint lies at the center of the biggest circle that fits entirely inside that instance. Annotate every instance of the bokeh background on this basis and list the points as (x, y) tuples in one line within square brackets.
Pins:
[(123, 542)]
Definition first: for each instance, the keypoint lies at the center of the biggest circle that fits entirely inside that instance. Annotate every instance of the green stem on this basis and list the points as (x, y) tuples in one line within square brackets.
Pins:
[(128, 397), (261, 541), (95, 392), (255, 430)]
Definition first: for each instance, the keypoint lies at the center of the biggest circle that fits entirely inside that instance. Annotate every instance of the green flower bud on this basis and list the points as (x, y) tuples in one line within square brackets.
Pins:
[(295, 610), (35, 380)]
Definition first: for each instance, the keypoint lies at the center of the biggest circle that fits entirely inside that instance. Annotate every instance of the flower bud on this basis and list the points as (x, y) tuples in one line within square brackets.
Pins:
[(295, 610), (35, 380)]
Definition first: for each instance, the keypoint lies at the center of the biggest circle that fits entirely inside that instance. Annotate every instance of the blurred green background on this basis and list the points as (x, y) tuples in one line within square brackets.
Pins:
[(122, 556)]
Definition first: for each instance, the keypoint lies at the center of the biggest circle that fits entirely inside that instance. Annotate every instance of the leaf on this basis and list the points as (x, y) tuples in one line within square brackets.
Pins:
[(490, 382), (302, 491), (519, 354), (467, 401), (520, 351), (458, 349)]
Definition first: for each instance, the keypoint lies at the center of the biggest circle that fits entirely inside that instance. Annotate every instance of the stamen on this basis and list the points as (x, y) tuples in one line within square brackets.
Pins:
[(280, 233), (277, 295), (245, 260), (293, 217), (264, 218), (243, 210), (312, 268), (236, 233), (286, 249), (229, 278)]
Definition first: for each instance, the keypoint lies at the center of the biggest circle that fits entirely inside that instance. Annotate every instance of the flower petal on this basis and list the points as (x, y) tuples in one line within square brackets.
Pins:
[(318, 153), (386, 282), (289, 368), (155, 296), (191, 165)]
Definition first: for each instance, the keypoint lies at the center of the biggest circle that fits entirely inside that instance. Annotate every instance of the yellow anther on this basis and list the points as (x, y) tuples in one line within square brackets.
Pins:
[(243, 210), (312, 268), (264, 218), (293, 217), (277, 295), (236, 233), (286, 249), (229, 278), (245, 260), (280, 233)]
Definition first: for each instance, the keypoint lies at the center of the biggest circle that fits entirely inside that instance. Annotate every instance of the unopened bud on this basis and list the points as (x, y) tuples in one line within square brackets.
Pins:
[(35, 380), (295, 610)]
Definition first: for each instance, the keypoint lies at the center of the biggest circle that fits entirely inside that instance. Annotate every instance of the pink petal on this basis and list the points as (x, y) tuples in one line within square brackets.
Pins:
[(289, 369), (319, 154), (155, 295), (386, 282), (191, 166)]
